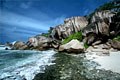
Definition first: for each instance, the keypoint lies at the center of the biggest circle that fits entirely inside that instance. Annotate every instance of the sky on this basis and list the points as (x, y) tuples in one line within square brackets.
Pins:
[(21, 19)]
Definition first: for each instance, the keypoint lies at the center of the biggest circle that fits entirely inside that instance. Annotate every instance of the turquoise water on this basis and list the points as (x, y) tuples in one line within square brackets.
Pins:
[(50, 65), (23, 64)]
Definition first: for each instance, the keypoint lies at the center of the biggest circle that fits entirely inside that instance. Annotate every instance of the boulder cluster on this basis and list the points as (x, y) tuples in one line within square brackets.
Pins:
[(101, 28)]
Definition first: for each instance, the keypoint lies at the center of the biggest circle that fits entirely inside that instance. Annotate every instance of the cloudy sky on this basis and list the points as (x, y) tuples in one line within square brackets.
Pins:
[(20, 19)]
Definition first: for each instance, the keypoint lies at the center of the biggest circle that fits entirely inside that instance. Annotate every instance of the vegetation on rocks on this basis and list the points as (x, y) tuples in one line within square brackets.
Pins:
[(86, 45), (117, 38), (108, 6), (77, 35), (102, 24), (113, 5), (48, 33)]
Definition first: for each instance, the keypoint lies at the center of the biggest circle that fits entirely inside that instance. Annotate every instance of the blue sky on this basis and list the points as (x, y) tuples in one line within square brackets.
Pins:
[(21, 19)]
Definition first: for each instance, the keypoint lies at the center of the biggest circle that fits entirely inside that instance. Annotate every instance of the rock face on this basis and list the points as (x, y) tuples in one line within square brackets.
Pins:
[(39, 42), (115, 44), (100, 26), (72, 46), (100, 23), (19, 45), (103, 25), (70, 26)]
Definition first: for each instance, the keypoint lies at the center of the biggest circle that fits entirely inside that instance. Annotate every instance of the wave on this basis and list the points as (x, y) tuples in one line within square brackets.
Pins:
[(29, 67), (3, 47)]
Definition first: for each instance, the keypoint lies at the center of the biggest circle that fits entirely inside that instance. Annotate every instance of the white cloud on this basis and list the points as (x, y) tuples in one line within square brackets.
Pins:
[(21, 27), (14, 19), (22, 21)]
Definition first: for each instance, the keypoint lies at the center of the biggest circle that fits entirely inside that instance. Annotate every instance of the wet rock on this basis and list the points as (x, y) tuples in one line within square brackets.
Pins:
[(72, 46)]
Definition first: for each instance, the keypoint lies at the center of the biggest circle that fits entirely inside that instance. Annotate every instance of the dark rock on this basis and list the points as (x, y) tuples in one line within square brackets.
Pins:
[(6, 48), (90, 38), (102, 27)]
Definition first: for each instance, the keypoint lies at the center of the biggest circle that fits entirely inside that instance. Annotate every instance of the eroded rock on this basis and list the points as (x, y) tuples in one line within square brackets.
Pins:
[(39, 42), (70, 26), (19, 45), (115, 44)]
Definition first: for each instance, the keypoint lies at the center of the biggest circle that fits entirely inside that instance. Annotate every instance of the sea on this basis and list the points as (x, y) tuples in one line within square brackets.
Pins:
[(23, 64), (52, 65)]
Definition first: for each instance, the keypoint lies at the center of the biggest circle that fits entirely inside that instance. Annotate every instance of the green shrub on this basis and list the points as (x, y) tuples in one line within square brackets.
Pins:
[(77, 35), (117, 38), (45, 34), (86, 45)]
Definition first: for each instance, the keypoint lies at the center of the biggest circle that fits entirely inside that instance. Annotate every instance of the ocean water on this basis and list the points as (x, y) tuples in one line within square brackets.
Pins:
[(75, 67), (24, 64), (49, 65)]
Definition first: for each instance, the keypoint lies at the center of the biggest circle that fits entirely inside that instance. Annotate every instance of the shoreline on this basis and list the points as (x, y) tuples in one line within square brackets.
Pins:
[(77, 67), (93, 60), (109, 62), (25, 64)]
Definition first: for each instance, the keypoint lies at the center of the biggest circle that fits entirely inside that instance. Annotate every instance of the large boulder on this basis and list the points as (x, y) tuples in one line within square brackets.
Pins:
[(101, 26), (115, 44), (70, 26), (72, 46), (39, 42), (100, 23), (19, 45)]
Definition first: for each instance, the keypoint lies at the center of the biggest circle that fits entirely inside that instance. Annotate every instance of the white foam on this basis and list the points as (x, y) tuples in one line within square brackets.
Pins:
[(3, 47), (31, 66)]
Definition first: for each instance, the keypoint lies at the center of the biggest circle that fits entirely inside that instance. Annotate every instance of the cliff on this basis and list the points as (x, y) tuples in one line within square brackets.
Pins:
[(70, 26), (102, 26)]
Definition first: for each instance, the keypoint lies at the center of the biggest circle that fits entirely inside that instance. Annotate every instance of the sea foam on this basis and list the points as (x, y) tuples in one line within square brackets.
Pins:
[(29, 67)]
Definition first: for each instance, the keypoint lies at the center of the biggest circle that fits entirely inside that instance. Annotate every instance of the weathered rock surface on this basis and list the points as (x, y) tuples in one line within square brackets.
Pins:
[(70, 26), (39, 42), (19, 45), (115, 44), (104, 24), (72, 46), (100, 22)]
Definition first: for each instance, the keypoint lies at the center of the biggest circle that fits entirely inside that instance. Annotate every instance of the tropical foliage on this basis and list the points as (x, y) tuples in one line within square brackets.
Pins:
[(77, 35)]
